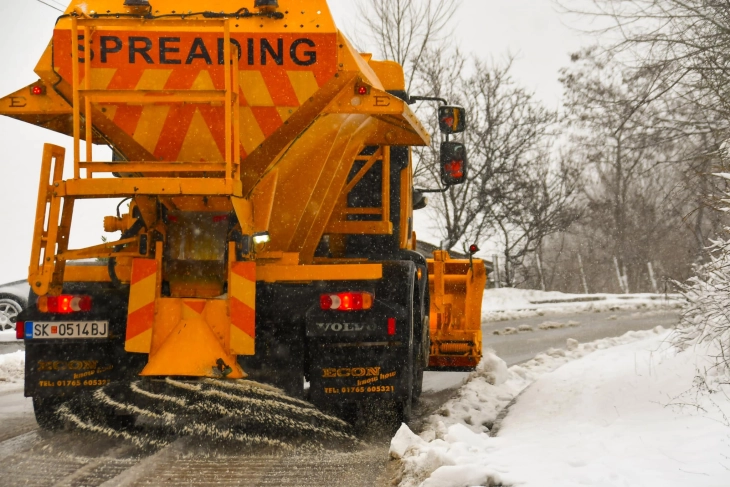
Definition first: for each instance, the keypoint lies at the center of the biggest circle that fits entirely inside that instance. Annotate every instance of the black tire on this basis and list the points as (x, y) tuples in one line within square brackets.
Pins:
[(404, 411), (422, 342), (292, 383), (404, 407), (421, 360), (267, 367), (45, 413)]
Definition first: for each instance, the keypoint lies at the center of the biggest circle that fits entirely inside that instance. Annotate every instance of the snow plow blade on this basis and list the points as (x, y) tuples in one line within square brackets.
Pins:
[(456, 288)]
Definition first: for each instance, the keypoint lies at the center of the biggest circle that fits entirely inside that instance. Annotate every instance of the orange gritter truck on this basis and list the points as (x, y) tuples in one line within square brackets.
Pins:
[(266, 167)]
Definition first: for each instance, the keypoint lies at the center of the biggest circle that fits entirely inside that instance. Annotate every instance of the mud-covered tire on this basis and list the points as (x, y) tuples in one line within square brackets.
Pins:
[(45, 413), (422, 342), (421, 360), (404, 411), (418, 377), (404, 407), (292, 383)]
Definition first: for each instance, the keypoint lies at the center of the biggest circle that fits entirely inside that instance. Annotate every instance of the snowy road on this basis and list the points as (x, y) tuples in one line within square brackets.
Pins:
[(29, 457)]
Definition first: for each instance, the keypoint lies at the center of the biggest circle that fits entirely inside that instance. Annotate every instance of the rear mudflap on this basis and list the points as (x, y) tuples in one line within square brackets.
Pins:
[(65, 369), (367, 373), (365, 357)]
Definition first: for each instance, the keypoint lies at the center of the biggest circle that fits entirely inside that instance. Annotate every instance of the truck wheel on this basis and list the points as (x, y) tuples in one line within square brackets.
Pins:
[(45, 413), (292, 383), (404, 407), (404, 411), (422, 309), (421, 361)]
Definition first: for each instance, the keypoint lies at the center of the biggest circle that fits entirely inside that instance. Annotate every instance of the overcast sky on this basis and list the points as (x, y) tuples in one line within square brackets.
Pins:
[(530, 29)]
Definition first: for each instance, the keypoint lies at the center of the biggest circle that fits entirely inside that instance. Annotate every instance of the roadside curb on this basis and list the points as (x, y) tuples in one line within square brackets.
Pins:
[(494, 431), (656, 297)]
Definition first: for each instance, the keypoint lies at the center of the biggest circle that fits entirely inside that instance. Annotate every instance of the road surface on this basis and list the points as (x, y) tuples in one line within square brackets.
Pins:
[(33, 458)]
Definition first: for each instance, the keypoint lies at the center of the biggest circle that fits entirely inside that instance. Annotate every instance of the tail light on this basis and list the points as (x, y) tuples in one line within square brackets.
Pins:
[(20, 330), (346, 301), (391, 326), (64, 304)]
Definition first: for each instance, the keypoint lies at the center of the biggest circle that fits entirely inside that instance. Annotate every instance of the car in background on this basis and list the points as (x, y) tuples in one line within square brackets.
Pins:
[(13, 299)]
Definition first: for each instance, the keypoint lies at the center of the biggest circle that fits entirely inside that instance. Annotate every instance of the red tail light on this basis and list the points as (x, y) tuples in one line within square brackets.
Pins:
[(20, 330), (346, 301), (325, 301), (220, 218), (391, 326), (64, 304)]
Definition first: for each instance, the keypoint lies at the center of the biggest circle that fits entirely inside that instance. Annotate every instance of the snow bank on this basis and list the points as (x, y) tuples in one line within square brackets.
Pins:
[(7, 335), (509, 304), (12, 367), (512, 299), (601, 420)]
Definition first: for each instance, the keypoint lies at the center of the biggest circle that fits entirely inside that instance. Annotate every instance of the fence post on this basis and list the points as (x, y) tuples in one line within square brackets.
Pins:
[(626, 281), (495, 263), (539, 271), (582, 274), (618, 275), (653, 279)]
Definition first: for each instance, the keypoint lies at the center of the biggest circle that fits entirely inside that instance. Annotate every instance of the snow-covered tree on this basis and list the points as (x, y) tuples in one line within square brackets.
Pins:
[(706, 316)]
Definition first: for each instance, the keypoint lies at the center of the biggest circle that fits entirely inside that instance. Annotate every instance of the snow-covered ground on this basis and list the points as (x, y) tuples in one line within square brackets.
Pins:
[(617, 412), (12, 369), (7, 336), (508, 303)]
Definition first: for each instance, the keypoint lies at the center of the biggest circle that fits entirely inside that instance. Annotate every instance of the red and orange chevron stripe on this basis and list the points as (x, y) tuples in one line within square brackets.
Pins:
[(242, 298), (269, 93), (141, 310)]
